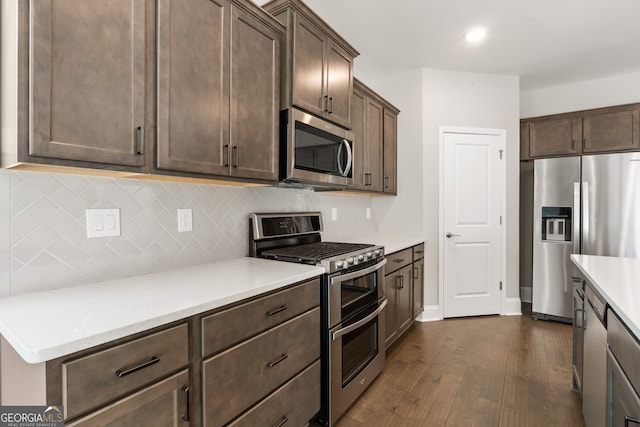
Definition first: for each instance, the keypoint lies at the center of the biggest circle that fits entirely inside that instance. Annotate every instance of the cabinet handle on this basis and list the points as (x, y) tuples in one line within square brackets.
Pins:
[(277, 310), (281, 421), (236, 156), (330, 104), (124, 372), (398, 260), (225, 154), (185, 391), (401, 280), (629, 420), (416, 274), (386, 182), (324, 101), (584, 142), (277, 360), (573, 144), (140, 140)]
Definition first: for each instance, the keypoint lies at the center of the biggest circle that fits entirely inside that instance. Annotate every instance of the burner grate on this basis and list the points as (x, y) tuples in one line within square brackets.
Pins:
[(315, 251)]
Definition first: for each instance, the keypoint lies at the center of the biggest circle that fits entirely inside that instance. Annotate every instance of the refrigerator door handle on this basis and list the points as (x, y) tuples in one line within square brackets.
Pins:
[(584, 237), (576, 218)]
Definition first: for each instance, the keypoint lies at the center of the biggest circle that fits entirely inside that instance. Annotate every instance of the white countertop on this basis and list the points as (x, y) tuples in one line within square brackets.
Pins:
[(618, 281), (46, 325), (392, 242)]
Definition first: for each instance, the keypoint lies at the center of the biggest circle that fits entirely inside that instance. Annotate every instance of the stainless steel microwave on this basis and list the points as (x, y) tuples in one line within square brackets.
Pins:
[(314, 152)]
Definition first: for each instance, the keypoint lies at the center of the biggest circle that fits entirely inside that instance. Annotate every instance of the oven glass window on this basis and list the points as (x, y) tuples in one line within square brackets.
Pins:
[(319, 151), (358, 293), (359, 347)]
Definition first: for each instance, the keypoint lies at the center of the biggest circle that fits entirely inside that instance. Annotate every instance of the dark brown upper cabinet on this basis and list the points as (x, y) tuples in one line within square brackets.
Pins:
[(86, 81), (218, 89), (611, 131), (317, 63), (600, 130), (390, 142), (554, 137), (367, 121)]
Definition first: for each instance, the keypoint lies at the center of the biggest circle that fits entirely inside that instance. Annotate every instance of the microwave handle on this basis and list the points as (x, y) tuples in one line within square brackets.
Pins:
[(345, 171)]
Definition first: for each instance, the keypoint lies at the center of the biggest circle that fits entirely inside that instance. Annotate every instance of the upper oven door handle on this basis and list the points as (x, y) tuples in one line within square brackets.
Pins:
[(340, 332), (349, 276)]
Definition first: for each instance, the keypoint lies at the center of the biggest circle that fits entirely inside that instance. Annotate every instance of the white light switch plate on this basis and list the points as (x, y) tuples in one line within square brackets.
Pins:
[(185, 220), (334, 214), (103, 223), (368, 213)]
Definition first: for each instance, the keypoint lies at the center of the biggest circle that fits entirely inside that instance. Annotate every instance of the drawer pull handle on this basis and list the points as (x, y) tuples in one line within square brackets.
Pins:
[(124, 372), (416, 273), (282, 421), (398, 260), (276, 361), (629, 420), (185, 390), (277, 310)]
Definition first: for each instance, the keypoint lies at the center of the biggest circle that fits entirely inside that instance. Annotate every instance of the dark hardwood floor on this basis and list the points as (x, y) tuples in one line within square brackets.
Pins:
[(481, 371)]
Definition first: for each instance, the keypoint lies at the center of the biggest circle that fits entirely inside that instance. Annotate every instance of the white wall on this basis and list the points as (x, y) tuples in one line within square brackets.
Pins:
[(616, 90), (448, 98)]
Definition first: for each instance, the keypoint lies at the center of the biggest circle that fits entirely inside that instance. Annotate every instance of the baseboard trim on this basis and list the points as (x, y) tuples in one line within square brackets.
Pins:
[(525, 293), (430, 313), (513, 307)]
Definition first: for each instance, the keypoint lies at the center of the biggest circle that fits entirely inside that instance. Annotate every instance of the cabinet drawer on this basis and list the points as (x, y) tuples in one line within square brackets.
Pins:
[(625, 348), (398, 260), (163, 403), (104, 376), (294, 403), (418, 252), (239, 377), (226, 328)]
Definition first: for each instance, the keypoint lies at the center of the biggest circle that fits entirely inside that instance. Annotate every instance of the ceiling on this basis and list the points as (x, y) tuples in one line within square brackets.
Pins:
[(545, 42)]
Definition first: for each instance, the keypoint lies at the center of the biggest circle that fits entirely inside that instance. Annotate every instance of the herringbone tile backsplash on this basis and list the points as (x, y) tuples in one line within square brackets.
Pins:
[(43, 237)]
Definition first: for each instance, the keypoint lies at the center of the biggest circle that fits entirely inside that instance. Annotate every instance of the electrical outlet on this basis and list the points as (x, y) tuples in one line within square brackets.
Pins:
[(368, 213), (103, 223), (334, 214), (185, 220)]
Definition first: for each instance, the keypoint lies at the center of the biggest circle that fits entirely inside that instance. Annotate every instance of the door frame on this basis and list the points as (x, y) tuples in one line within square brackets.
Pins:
[(502, 133)]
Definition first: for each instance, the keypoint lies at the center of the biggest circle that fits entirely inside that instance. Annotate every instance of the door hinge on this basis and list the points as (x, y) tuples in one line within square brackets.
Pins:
[(501, 154), (501, 285)]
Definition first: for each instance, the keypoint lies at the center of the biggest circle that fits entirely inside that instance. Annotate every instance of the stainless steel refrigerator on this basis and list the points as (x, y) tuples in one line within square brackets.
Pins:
[(583, 204)]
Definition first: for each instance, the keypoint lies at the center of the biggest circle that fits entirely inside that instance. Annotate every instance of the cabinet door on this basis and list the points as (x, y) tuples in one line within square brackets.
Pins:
[(524, 141), (193, 86), (339, 78), (390, 152), (87, 80), (358, 128), (391, 311), (405, 298), (255, 97), (374, 147), (308, 67), (613, 131), (554, 137), (418, 287), (165, 403)]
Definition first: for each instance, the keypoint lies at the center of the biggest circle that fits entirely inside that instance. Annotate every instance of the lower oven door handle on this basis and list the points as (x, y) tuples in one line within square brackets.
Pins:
[(359, 273), (340, 332)]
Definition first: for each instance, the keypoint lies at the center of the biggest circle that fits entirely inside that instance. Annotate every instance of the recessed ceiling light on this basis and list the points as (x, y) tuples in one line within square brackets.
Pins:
[(475, 35)]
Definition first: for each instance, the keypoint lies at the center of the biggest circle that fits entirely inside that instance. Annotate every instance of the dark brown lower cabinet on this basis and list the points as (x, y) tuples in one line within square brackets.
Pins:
[(165, 403)]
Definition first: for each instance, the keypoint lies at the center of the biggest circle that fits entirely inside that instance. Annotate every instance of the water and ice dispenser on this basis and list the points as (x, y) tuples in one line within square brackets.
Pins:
[(556, 224)]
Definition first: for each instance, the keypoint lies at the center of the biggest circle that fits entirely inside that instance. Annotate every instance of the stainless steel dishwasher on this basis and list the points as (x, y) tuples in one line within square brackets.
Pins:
[(594, 375), (623, 374)]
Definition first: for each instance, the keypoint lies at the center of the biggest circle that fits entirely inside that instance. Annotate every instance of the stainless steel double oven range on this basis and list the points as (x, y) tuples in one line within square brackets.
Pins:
[(352, 301)]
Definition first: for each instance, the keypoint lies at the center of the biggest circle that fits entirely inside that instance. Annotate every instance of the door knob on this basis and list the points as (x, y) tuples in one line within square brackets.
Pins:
[(449, 235)]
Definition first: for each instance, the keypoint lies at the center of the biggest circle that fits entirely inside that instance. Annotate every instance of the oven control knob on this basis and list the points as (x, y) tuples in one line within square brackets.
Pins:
[(369, 255), (339, 264), (350, 260), (377, 252), (360, 257)]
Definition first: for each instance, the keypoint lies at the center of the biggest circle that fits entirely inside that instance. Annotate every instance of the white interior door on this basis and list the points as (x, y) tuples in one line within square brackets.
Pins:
[(471, 225)]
